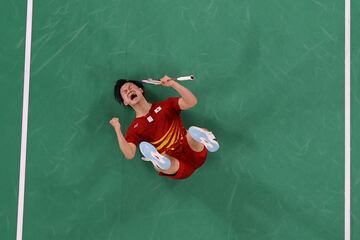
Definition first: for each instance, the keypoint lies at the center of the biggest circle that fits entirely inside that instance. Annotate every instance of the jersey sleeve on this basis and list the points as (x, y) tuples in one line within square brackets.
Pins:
[(173, 103), (132, 137)]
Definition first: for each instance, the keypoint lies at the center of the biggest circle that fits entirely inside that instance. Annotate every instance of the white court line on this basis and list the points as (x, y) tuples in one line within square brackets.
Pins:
[(347, 121), (19, 228)]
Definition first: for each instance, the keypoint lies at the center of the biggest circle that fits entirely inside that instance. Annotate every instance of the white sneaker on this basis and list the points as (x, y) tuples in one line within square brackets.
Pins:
[(151, 154), (205, 137)]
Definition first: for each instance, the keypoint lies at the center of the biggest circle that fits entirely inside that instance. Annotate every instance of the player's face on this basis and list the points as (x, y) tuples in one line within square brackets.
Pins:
[(131, 93)]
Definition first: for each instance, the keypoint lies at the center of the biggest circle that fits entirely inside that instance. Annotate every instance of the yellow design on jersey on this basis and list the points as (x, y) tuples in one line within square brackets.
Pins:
[(169, 138), (162, 139)]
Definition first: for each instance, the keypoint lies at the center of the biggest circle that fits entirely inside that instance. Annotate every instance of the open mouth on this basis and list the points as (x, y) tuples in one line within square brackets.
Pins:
[(133, 96)]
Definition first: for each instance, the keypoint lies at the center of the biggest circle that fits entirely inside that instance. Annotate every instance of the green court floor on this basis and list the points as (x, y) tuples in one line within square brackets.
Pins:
[(12, 31), (270, 85)]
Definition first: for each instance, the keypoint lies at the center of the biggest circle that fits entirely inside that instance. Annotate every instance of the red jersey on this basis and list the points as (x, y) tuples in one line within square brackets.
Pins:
[(162, 126)]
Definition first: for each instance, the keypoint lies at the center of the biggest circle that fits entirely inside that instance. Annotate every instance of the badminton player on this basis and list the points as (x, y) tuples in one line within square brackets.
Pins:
[(158, 130)]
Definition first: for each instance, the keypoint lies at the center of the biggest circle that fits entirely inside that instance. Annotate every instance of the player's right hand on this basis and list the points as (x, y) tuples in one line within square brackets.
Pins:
[(167, 81), (115, 122)]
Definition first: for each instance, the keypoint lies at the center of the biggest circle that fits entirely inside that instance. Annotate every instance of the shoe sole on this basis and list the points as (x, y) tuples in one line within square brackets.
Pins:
[(203, 137), (150, 153)]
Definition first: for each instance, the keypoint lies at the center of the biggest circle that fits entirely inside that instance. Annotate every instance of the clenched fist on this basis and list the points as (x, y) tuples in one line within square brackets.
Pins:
[(115, 122)]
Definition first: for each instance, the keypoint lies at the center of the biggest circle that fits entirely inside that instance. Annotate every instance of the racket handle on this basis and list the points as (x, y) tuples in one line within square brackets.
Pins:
[(185, 78)]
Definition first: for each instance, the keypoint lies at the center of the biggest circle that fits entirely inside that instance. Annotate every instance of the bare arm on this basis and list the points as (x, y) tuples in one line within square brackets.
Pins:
[(187, 100), (128, 149)]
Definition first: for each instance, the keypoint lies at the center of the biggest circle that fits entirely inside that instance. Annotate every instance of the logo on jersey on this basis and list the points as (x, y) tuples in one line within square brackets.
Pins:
[(158, 109), (150, 119)]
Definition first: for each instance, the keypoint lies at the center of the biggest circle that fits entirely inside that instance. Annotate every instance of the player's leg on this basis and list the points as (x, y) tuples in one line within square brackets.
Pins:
[(194, 145), (174, 167)]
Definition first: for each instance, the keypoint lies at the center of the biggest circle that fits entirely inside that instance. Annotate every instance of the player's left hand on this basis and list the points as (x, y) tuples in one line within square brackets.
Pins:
[(115, 122), (167, 81)]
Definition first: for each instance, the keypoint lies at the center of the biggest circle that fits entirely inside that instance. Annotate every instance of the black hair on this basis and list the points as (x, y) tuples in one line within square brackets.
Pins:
[(120, 83)]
